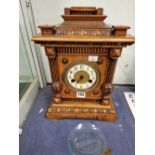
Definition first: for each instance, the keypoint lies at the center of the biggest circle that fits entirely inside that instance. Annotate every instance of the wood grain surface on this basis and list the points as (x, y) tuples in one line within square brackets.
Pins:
[(83, 34)]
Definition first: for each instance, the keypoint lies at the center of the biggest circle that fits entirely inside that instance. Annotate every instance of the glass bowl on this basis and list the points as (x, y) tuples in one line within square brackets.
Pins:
[(86, 139)]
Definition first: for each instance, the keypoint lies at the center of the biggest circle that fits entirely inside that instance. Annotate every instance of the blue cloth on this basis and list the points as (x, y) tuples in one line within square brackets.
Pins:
[(42, 136)]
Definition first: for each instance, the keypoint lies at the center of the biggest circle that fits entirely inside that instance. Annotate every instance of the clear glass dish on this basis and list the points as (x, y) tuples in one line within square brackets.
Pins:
[(86, 139)]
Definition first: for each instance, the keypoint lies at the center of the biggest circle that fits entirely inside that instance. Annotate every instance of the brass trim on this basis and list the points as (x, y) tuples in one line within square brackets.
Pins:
[(64, 77)]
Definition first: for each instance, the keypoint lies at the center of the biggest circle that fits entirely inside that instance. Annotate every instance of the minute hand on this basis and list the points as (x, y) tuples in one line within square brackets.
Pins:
[(81, 77)]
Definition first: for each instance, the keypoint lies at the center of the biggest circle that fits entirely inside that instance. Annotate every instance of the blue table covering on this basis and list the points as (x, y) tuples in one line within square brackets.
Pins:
[(42, 136)]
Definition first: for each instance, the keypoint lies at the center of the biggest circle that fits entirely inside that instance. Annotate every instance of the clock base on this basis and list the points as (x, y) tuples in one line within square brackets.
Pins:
[(82, 111)]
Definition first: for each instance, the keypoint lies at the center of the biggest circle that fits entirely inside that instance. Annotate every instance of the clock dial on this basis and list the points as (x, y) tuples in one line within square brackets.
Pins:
[(82, 76)]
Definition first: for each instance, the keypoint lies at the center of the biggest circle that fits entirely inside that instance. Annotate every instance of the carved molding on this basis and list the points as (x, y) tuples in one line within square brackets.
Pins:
[(56, 88), (82, 50), (50, 52), (107, 89), (78, 110), (64, 43), (81, 100), (77, 32), (83, 11), (54, 70), (115, 53), (111, 70)]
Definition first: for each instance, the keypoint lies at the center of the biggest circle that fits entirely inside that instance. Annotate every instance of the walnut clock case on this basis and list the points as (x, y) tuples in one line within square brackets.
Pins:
[(82, 53)]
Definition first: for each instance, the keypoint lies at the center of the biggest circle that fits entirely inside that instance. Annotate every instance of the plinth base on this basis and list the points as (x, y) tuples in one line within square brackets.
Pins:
[(82, 110)]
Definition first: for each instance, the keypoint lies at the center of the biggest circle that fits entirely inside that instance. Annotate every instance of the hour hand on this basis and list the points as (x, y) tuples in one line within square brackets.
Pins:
[(80, 78)]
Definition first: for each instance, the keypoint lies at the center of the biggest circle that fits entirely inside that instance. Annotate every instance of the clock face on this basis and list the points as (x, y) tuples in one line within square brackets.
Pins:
[(82, 76)]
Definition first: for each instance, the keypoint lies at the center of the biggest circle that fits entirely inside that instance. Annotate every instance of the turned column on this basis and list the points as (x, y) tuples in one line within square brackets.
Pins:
[(107, 87), (56, 85)]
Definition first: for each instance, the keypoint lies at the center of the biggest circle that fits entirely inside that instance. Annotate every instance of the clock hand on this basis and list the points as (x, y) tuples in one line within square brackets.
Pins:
[(81, 77)]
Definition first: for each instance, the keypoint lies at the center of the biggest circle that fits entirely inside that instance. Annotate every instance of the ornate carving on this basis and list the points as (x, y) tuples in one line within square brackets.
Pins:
[(111, 70), (64, 43), (64, 60), (61, 109), (57, 87), (71, 40), (50, 52), (106, 90), (73, 32), (83, 50), (54, 70), (75, 100), (83, 11), (90, 111), (115, 53)]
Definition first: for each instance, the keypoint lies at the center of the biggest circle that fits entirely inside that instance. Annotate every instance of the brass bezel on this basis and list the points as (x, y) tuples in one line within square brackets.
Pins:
[(85, 63)]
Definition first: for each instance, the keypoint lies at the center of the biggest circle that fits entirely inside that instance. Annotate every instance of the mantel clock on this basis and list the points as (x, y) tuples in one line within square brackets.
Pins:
[(82, 53)]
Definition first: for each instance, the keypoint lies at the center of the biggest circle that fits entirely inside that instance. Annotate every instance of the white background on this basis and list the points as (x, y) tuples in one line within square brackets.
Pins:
[(119, 12), (145, 78)]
